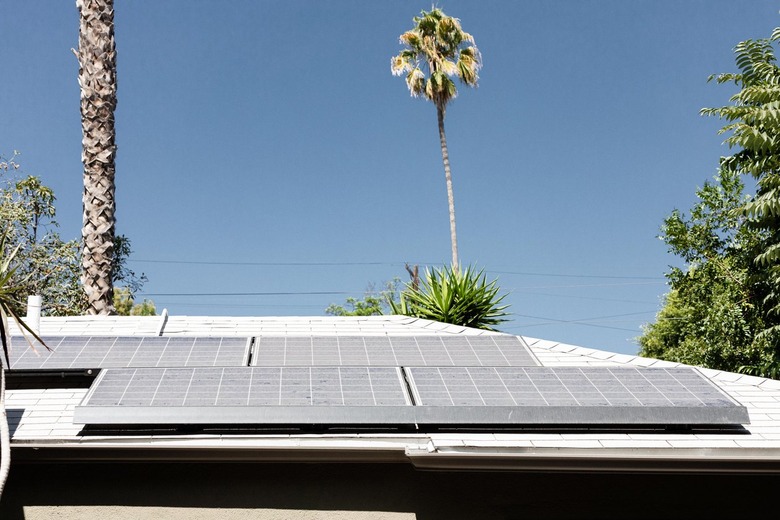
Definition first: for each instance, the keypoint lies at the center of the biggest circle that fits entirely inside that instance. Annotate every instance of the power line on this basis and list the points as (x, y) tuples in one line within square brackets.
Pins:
[(586, 298), (304, 293), (244, 305), (264, 264), (391, 263), (337, 293), (586, 285), (561, 275), (514, 327), (584, 322)]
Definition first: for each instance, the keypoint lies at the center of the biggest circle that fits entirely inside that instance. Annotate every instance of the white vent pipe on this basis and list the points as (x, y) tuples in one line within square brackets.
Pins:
[(33, 319)]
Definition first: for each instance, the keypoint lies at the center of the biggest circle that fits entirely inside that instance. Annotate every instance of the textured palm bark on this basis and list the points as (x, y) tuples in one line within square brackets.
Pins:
[(97, 79), (445, 156)]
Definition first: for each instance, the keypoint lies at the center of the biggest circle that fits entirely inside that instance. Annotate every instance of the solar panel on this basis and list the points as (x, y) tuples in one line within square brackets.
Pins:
[(377, 395), (247, 395), (83, 352), (570, 395), (484, 350)]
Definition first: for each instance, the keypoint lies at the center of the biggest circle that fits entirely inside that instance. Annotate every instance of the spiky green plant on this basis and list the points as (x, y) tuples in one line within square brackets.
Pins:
[(8, 306), (458, 296)]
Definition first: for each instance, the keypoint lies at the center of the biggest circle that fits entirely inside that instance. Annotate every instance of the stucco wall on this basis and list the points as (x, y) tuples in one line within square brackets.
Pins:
[(118, 491)]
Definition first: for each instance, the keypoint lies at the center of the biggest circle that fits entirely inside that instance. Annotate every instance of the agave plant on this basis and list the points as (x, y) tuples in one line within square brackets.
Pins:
[(458, 296), (8, 305)]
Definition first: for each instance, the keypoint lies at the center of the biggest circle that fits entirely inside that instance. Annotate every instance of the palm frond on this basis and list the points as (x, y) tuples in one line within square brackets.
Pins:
[(8, 300), (437, 43)]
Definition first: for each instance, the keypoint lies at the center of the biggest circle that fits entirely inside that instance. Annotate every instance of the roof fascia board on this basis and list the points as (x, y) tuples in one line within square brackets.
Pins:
[(695, 461)]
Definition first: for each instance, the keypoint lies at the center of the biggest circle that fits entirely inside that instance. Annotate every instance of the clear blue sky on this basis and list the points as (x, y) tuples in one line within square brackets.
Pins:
[(257, 139)]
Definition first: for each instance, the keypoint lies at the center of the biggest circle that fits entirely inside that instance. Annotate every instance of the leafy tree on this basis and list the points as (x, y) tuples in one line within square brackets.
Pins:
[(754, 127), (373, 303), (46, 264), (125, 305), (712, 314), (452, 295), (97, 79), (438, 49)]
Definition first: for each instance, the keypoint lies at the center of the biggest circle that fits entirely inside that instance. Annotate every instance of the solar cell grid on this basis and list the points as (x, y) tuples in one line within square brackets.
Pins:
[(490, 379), (444, 395), (535, 386), (81, 352), (249, 386), (487, 350)]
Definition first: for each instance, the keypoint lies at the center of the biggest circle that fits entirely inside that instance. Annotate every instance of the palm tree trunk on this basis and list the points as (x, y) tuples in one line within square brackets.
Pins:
[(445, 156), (97, 79)]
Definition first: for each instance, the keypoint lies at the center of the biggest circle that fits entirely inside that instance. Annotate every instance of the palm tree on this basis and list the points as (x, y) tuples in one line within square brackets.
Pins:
[(436, 50), (97, 79)]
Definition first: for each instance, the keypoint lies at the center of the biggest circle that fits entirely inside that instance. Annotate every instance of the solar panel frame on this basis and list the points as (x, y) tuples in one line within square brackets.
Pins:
[(451, 350), (95, 352), (247, 395), (289, 395), (571, 396)]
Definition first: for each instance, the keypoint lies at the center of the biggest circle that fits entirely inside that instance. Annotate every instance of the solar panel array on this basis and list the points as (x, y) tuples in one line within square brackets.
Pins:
[(488, 350), (378, 395), (84, 352), (487, 379)]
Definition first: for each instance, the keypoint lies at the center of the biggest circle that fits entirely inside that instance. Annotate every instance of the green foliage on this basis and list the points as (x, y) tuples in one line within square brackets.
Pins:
[(712, 315), (124, 304), (9, 299), (46, 264), (373, 303), (9, 293), (754, 128), (120, 273), (450, 295), (437, 48)]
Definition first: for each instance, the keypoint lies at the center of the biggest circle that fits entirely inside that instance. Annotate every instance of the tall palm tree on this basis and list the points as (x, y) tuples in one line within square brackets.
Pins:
[(97, 79), (436, 50)]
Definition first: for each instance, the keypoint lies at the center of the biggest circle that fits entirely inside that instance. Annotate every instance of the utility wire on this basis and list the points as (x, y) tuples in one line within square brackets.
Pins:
[(588, 319), (574, 322), (585, 285), (586, 298), (268, 264), (395, 263), (242, 305), (309, 293), (524, 273), (515, 327)]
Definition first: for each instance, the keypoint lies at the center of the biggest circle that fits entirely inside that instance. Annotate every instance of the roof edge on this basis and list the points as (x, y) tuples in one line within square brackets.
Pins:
[(694, 461), (627, 359)]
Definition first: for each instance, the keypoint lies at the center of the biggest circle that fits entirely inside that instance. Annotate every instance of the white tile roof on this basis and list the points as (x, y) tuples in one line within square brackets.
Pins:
[(43, 417), (244, 326)]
